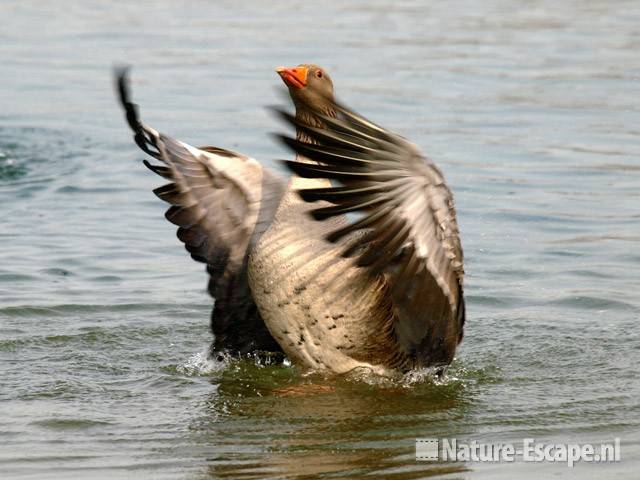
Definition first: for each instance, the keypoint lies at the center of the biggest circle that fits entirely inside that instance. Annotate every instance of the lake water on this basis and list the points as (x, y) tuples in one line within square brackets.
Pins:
[(532, 110)]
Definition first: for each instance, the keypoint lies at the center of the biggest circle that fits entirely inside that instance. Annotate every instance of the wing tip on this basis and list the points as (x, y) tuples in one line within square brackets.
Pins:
[(281, 113), (121, 81), (284, 140), (298, 168)]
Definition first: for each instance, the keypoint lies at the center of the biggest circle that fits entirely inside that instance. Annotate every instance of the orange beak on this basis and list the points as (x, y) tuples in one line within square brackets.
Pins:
[(293, 77)]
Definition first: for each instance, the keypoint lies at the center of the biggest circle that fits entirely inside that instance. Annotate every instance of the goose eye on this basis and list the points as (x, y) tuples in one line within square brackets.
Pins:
[(319, 74)]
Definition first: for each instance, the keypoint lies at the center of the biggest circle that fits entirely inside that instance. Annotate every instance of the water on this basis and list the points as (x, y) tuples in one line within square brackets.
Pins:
[(531, 110)]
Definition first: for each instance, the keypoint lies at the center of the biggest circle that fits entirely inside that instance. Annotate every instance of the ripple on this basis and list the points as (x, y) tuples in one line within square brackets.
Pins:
[(57, 272), (74, 189), (16, 277), (65, 309), (9, 169), (91, 336), (591, 273), (70, 423), (31, 155), (592, 303), (598, 239), (107, 279), (502, 301)]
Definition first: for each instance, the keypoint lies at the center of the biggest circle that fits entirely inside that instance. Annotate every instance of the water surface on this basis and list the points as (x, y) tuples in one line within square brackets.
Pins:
[(531, 110)]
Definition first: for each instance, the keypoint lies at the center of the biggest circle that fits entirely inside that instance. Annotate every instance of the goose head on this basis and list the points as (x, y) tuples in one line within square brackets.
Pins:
[(308, 84)]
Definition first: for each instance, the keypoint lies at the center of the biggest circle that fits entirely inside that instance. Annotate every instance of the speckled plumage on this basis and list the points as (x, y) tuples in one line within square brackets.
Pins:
[(299, 280)]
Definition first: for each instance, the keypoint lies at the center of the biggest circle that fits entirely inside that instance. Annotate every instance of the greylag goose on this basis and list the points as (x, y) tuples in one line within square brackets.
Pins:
[(355, 263)]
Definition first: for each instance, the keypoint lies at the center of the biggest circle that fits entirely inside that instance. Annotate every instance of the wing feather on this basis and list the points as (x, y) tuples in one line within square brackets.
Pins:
[(410, 232), (222, 202)]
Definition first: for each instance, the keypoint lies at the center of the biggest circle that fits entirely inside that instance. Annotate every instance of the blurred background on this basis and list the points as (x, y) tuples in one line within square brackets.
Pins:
[(532, 111)]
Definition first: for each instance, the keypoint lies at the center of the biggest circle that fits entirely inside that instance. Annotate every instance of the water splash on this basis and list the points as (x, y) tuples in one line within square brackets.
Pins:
[(425, 376), (202, 364)]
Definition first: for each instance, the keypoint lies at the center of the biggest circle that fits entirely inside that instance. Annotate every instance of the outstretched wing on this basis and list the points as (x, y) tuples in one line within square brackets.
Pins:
[(406, 230), (221, 202)]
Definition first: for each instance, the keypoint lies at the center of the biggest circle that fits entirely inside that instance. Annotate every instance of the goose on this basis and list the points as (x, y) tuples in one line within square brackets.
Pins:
[(354, 262)]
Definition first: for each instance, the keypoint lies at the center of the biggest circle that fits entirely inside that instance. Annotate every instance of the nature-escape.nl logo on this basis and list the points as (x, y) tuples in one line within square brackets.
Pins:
[(450, 449)]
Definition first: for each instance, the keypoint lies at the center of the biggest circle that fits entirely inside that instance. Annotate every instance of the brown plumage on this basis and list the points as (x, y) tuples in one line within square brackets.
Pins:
[(289, 270)]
